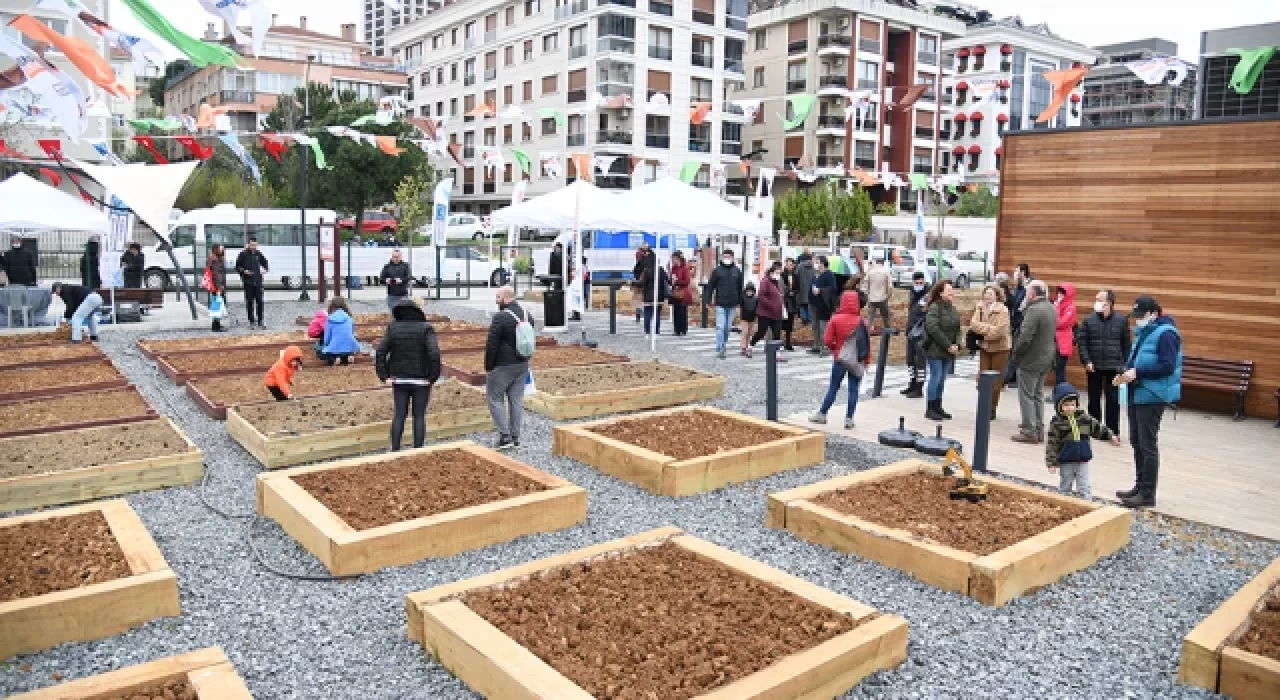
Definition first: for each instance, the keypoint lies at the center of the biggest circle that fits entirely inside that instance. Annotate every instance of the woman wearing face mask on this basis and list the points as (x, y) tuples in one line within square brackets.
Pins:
[(770, 309), (991, 321), (941, 344), (747, 322)]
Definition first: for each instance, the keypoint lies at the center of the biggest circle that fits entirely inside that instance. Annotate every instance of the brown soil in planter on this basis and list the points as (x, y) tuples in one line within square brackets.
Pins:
[(58, 554), (247, 359), (172, 689), (658, 622), (163, 347), (688, 434), (23, 355), (918, 503), (1263, 635), (90, 447), (458, 327), (415, 486), (543, 358), (61, 410), (462, 341), (611, 377), (249, 388), (76, 374), (61, 334), (359, 408)]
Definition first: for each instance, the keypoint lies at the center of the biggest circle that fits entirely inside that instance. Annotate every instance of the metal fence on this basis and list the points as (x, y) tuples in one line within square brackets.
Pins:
[(58, 253)]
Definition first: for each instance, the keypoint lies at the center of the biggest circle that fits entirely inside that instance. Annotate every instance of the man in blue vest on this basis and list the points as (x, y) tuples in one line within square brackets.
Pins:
[(1154, 375)]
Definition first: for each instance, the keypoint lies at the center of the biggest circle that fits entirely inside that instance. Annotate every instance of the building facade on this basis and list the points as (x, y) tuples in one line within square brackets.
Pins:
[(841, 51), (291, 56), (1002, 62), (1215, 98), (381, 18), (1113, 95), (613, 78)]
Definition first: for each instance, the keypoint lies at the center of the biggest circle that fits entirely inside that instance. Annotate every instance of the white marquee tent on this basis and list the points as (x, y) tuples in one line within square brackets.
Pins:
[(31, 205)]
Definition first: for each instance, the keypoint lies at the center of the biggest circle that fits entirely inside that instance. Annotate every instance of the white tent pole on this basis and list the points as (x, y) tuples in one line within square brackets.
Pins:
[(657, 275), (576, 286)]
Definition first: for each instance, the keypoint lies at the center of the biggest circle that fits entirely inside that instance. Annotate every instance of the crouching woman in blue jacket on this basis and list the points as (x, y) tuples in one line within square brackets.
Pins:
[(339, 343)]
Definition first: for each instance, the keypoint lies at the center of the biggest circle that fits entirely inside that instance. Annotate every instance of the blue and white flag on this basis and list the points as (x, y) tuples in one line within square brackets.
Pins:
[(440, 212), (105, 151), (243, 155)]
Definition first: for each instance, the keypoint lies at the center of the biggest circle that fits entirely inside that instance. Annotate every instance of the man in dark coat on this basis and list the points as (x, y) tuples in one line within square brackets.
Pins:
[(1104, 346), (396, 276), (505, 369), (824, 294), (131, 265), (1035, 350), (724, 291), (803, 285), (916, 307), (89, 275), (252, 265), (19, 264)]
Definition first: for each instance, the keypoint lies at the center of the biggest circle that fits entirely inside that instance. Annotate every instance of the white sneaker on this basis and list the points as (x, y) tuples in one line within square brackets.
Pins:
[(819, 418)]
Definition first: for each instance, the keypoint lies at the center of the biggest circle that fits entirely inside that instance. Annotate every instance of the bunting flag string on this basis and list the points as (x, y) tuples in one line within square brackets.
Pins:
[(199, 52), (552, 113), (800, 105), (1154, 71), (387, 144), (229, 12), (83, 56), (105, 151), (274, 144), (149, 144), (195, 148), (53, 149), (550, 163), (245, 159), (604, 163), (141, 51), (1064, 82), (698, 112), (581, 165), (523, 159), (54, 178), (316, 151), (55, 92), (1249, 69), (689, 171)]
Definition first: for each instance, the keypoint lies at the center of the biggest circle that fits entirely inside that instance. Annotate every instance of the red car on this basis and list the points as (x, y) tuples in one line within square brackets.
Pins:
[(374, 222)]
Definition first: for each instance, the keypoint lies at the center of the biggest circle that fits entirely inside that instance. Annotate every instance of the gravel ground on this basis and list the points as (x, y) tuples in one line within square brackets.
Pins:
[(1113, 630)]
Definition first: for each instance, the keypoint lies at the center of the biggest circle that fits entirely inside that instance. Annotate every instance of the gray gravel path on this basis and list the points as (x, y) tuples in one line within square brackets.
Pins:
[(1111, 631)]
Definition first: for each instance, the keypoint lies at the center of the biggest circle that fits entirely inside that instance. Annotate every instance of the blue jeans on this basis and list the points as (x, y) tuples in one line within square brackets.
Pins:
[(838, 374), (87, 312), (804, 313), (937, 378), (724, 321), (648, 318)]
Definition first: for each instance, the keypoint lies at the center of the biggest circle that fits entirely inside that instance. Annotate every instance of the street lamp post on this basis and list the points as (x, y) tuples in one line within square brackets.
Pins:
[(303, 167)]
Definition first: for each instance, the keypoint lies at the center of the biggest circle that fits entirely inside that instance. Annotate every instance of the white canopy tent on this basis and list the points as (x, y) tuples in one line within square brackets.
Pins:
[(31, 205), (149, 190)]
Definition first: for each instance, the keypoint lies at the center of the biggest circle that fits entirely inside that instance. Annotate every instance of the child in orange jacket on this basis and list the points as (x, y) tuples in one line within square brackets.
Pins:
[(279, 379)]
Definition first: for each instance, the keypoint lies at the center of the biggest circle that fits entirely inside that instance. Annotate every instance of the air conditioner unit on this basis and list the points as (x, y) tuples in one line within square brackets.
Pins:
[(842, 23)]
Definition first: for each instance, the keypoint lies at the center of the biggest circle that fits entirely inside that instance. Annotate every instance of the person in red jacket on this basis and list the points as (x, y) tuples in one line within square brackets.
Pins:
[(681, 292), (1065, 335), (770, 309), (846, 321)]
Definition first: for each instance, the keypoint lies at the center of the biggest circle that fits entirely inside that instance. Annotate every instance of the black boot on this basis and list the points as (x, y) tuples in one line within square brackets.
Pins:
[(915, 390), (932, 412), (938, 406), (1127, 494), (1140, 500)]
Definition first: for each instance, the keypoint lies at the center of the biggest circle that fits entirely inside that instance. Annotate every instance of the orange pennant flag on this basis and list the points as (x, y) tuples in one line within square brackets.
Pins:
[(745, 166), (698, 112), (479, 111), (581, 165), (80, 53), (207, 114), (1063, 82), (865, 178), (388, 145)]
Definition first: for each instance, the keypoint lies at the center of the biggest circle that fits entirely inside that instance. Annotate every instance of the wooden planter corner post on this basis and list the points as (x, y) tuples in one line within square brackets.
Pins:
[(600, 403), (495, 665), (669, 476), (130, 476), (97, 610), (346, 550), (207, 671), (993, 579), (1207, 661)]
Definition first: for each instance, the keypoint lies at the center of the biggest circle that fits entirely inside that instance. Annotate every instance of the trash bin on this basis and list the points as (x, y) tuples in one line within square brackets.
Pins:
[(553, 308)]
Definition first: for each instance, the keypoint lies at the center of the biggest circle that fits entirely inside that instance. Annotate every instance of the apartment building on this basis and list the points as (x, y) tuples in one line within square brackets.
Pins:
[(1215, 98), (1001, 62), (290, 57), (381, 17), (1114, 95), (647, 60), (841, 51)]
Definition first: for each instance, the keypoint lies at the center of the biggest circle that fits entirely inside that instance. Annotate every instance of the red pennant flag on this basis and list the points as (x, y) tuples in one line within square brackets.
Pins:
[(581, 165), (9, 152), (698, 112), (745, 166), (51, 147), (200, 152), (54, 178), (274, 145), (455, 150), (635, 162), (147, 143)]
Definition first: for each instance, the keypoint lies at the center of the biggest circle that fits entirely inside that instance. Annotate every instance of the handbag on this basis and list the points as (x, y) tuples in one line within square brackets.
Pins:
[(917, 335), (206, 282), (849, 357), (972, 341), (217, 309)]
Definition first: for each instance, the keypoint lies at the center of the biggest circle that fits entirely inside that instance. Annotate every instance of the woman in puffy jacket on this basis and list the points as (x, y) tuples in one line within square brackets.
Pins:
[(845, 321), (215, 274), (1065, 301), (770, 308), (681, 292), (991, 321), (339, 343)]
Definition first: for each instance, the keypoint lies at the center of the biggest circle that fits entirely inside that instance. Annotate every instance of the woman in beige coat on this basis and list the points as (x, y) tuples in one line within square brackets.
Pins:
[(991, 321)]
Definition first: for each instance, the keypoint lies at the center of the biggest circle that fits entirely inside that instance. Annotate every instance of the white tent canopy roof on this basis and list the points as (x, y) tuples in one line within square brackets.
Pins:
[(31, 205), (668, 205), (556, 209), (149, 190)]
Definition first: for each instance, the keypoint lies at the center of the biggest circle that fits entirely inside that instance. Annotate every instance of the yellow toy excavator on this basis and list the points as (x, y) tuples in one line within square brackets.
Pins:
[(965, 487)]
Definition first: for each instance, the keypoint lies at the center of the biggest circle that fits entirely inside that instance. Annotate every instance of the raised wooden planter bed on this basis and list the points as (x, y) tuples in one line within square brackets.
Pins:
[(83, 409), (348, 423), (469, 367), (379, 318), (215, 394), (154, 347), (551, 504), (95, 610), (60, 334), (1211, 660), (64, 481), (206, 672), (89, 375), (182, 367), (600, 390), (991, 579), (49, 355), (495, 665), (782, 447)]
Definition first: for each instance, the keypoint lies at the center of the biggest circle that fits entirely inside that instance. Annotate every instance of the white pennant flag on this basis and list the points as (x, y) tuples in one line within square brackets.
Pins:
[(750, 108), (659, 103), (492, 159), (1153, 71), (56, 95), (603, 163), (889, 179), (229, 11), (596, 101), (550, 164)]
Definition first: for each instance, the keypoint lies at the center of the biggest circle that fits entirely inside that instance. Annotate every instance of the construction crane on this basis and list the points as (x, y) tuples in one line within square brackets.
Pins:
[(965, 487)]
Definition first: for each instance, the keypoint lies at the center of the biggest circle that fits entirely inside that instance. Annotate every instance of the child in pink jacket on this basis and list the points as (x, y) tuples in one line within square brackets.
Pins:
[(316, 327)]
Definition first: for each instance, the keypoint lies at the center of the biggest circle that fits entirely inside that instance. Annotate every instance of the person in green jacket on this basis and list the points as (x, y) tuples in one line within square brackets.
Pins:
[(941, 345)]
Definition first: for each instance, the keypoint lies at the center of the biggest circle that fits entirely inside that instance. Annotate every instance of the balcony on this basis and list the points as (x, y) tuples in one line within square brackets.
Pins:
[(868, 84), (703, 60), (735, 65), (579, 95), (490, 74), (613, 136), (829, 161), (662, 53), (732, 109), (577, 51), (237, 97), (924, 133), (869, 46), (832, 84), (699, 145), (614, 89), (730, 148), (657, 140), (927, 58), (490, 187), (831, 125), (706, 18), (796, 85), (616, 44), (797, 46), (661, 8), (834, 45), (573, 140), (869, 126), (865, 163), (613, 182)]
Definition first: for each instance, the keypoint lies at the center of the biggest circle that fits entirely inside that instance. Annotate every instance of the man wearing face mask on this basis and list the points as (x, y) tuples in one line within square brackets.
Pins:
[(916, 307), (1154, 375), (1104, 347), (724, 290), (19, 264)]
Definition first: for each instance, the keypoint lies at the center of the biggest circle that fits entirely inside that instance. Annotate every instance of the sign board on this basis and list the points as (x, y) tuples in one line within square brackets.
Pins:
[(440, 212), (326, 242)]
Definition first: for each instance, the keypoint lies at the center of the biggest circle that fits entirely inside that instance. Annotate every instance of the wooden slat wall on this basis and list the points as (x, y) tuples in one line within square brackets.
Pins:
[(1188, 213)]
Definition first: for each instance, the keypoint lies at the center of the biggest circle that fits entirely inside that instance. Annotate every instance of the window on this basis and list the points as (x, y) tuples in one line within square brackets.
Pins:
[(491, 136), (1041, 91), (661, 7), (578, 41), (549, 84), (453, 107), (756, 147), (532, 7), (761, 39), (490, 66), (440, 75), (184, 236), (436, 41), (733, 50), (868, 75), (704, 12), (550, 42), (703, 54), (469, 72), (453, 36), (511, 15), (735, 14), (527, 93), (548, 127), (424, 79), (470, 31), (453, 73), (700, 90), (659, 43), (616, 25), (528, 50), (1016, 91), (509, 56), (507, 135), (526, 132), (440, 108), (507, 91), (757, 77), (927, 43)]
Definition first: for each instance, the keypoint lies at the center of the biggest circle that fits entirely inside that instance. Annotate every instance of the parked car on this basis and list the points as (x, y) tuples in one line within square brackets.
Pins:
[(374, 222), (466, 226), (902, 273), (975, 264)]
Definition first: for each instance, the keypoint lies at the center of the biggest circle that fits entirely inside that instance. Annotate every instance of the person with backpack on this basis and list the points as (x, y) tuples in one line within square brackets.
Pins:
[(408, 358), (507, 350), (850, 343)]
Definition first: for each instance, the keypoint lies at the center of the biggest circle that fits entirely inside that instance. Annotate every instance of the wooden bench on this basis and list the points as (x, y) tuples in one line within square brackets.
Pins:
[(1218, 375), (146, 297)]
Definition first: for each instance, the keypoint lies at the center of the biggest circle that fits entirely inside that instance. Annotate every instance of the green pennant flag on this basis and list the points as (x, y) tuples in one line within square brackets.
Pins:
[(952, 189), (366, 119), (200, 53), (143, 125), (523, 159), (801, 105), (167, 124), (688, 171), (918, 181), (550, 113), (1249, 69)]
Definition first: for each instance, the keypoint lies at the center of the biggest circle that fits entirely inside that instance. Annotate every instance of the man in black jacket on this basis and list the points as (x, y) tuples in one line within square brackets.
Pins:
[(89, 274), (131, 265), (505, 369), (724, 289), (396, 276), (1104, 349), (19, 264), (252, 264), (408, 357), (81, 308), (916, 307), (824, 298)]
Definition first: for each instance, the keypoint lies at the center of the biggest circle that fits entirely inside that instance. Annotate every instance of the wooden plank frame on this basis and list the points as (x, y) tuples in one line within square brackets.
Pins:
[(1207, 661), (494, 665), (149, 414), (208, 671), (178, 376), (97, 610), (601, 403), (993, 579), (117, 383), (96, 356), (669, 476), (275, 451), (130, 476), (346, 550), (478, 378)]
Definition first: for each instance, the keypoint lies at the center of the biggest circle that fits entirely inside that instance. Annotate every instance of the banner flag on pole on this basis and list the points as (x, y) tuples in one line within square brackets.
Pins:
[(440, 211)]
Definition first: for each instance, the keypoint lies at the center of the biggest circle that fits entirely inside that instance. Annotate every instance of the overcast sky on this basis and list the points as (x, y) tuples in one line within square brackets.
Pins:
[(1090, 22)]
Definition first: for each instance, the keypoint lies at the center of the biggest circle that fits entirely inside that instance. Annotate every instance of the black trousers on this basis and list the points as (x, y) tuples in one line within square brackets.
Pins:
[(788, 324), (1100, 389), (680, 318), (253, 300), (1144, 435), (277, 393), (403, 394), (767, 325)]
